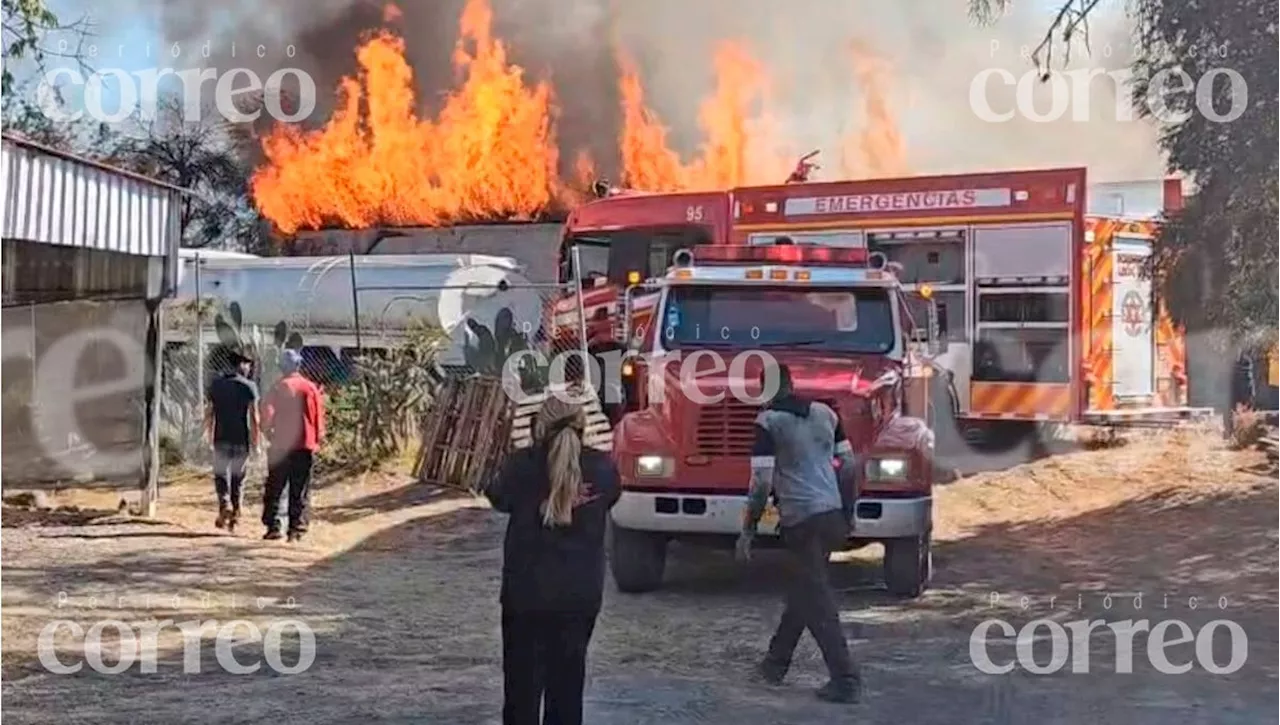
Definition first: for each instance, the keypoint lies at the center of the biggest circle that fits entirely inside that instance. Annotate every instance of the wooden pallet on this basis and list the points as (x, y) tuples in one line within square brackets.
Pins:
[(598, 435), (472, 425), (465, 433)]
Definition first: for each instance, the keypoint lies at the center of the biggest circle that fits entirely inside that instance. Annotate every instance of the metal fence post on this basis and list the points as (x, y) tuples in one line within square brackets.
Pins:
[(199, 337), (355, 300), (582, 317)]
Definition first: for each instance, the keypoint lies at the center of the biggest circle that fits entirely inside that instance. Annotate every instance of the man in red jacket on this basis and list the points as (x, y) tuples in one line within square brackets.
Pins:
[(293, 420)]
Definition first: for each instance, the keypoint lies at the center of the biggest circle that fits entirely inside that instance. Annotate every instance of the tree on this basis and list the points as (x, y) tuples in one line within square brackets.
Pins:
[(27, 25), (201, 155), (1215, 262)]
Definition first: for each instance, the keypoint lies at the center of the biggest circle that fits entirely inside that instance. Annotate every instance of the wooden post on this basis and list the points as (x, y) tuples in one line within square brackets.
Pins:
[(153, 381)]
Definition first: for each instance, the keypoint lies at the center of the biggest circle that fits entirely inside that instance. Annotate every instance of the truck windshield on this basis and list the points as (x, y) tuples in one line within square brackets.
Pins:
[(836, 320)]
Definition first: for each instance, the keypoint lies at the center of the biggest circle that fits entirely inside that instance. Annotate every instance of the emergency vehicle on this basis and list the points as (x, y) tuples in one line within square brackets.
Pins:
[(840, 320), (1046, 310)]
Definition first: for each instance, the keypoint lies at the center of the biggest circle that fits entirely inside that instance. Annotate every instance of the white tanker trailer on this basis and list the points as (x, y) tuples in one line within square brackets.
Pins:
[(313, 295)]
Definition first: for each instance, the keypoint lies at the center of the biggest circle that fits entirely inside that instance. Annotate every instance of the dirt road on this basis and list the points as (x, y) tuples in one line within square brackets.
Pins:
[(399, 584)]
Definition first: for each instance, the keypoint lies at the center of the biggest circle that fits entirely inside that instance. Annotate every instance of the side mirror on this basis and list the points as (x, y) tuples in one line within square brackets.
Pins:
[(626, 335)]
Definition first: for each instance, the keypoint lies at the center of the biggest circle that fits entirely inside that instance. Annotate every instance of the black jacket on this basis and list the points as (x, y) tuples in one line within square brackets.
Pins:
[(553, 568)]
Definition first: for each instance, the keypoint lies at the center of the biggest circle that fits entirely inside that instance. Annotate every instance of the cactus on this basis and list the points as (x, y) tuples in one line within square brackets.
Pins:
[(234, 337), (486, 351)]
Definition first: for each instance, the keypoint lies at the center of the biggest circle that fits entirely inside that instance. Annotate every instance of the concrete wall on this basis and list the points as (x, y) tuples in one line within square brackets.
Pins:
[(56, 427)]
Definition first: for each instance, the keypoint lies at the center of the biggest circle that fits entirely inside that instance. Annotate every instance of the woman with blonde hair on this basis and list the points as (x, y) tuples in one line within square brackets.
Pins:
[(558, 494)]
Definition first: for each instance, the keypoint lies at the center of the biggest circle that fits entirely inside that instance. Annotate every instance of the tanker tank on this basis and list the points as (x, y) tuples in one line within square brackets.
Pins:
[(313, 295)]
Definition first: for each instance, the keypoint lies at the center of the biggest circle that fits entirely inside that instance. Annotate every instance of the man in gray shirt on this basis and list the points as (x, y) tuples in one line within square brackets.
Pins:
[(796, 442)]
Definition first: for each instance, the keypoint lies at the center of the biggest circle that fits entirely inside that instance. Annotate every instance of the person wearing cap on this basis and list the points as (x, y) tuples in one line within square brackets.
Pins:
[(293, 419), (231, 424)]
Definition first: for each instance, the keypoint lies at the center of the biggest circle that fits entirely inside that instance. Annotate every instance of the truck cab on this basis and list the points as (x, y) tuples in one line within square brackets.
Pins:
[(839, 319)]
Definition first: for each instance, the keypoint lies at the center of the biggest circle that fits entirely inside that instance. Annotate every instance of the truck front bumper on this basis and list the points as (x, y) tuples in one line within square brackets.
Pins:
[(676, 513)]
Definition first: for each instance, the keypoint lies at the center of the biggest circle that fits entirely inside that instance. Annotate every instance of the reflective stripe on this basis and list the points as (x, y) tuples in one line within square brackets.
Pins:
[(762, 461)]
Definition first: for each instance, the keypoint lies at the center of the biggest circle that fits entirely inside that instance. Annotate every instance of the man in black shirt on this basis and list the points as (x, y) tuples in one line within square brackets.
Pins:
[(231, 422)]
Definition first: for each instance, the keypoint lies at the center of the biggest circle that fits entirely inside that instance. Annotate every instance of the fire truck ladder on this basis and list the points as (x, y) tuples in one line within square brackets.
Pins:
[(305, 294), (598, 434)]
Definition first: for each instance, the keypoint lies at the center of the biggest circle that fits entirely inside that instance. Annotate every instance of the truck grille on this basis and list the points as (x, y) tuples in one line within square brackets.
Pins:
[(727, 428)]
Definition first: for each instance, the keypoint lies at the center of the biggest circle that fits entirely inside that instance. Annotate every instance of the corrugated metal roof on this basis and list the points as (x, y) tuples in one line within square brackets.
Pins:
[(56, 198)]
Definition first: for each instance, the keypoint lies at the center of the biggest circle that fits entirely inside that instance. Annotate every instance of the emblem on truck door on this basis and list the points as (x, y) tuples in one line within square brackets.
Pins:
[(1133, 314)]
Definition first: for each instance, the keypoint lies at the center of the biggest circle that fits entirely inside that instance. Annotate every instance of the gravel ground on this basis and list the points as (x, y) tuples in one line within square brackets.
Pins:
[(400, 584)]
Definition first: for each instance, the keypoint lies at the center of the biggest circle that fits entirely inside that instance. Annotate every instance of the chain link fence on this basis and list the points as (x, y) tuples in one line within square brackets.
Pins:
[(379, 370)]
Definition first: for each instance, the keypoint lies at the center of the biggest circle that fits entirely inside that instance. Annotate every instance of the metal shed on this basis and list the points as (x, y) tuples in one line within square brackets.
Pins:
[(89, 253)]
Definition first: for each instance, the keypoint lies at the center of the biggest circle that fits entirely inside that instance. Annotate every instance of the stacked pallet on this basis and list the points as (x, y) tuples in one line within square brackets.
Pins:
[(464, 433), (472, 424), (598, 434)]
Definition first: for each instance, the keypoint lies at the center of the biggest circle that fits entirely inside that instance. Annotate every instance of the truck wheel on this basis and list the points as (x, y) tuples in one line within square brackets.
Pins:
[(637, 559), (908, 565)]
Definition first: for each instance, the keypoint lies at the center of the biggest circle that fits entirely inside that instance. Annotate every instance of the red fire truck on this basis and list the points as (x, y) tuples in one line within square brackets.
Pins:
[(1046, 312), (1040, 315), (840, 320)]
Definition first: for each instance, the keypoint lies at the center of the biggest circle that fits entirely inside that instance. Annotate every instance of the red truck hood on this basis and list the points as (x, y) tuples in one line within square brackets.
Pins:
[(671, 424), (711, 443), (816, 375)]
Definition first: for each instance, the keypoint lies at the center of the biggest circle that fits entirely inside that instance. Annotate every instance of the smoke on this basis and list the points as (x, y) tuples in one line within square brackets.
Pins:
[(932, 50)]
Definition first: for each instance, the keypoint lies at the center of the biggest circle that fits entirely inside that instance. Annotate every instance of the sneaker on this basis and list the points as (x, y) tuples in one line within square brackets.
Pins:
[(841, 691), (273, 535), (221, 521), (770, 673), (295, 536)]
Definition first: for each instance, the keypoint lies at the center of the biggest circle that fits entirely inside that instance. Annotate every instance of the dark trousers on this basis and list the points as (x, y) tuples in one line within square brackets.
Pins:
[(229, 460), (811, 602), (292, 471), (544, 665)]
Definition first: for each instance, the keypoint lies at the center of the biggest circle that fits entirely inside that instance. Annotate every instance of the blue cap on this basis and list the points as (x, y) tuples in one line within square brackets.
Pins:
[(290, 361)]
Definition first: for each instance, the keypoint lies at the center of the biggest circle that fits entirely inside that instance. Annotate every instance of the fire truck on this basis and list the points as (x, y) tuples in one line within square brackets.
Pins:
[(1038, 314), (1047, 313), (840, 320)]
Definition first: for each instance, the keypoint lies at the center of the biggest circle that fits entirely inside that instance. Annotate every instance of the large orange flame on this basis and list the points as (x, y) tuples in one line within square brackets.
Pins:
[(741, 144), (491, 152), (877, 148)]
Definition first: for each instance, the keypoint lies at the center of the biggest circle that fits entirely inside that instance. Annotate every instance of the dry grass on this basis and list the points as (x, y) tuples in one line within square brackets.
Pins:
[(1248, 427), (1187, 462)]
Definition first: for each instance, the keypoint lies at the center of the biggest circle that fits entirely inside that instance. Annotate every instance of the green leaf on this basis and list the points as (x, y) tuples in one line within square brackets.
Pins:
[(226, 333)]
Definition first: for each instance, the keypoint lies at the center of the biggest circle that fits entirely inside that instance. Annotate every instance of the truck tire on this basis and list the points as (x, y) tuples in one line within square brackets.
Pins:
[(908, 565), (637, 559)]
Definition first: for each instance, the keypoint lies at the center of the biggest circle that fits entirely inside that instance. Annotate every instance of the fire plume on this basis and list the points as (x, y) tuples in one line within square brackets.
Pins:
[(740, 147), (877, 149), (490, 153)]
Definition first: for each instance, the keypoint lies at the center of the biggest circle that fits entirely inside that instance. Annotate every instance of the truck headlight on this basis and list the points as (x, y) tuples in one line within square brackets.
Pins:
[(653, 467), (886, 469)]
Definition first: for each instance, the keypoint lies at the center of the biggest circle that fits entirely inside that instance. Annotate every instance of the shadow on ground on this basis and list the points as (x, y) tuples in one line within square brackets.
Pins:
[(415, 628)]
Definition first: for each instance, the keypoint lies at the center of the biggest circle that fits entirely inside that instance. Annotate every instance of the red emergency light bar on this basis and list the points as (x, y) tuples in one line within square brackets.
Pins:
[(800, 254)]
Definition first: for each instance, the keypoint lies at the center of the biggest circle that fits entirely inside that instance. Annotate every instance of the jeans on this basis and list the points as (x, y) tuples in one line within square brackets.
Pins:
[(229, 461), (811, 602), (292, 471), (544, 666)]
